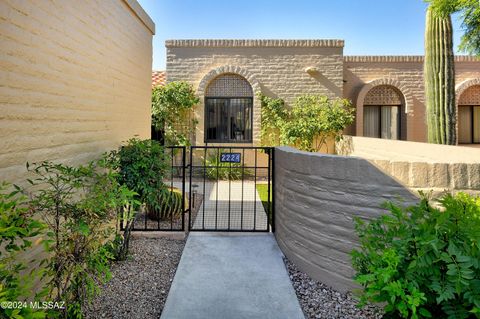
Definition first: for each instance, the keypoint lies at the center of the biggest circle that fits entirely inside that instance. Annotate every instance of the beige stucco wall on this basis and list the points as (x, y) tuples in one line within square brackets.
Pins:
[(406, 74), (316, 198), (75, 80), (275, 68), (420, 166)]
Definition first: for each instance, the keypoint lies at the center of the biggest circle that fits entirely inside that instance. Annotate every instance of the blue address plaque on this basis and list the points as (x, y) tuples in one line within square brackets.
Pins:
[(230, 157)]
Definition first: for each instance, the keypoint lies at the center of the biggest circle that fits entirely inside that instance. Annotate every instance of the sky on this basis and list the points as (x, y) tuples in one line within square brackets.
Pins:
[(369, 27)]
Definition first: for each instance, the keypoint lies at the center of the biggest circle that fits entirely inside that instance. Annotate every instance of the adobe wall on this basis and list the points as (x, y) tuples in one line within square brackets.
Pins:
[(405, 73), (420, 166), (276, 68), (75, 80), (316, 198)]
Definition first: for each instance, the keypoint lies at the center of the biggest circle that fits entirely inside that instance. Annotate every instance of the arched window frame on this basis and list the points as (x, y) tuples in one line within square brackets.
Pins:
[(228, 110)]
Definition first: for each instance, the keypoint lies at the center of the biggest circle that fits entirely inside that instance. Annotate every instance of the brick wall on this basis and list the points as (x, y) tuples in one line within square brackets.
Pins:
[(274, 67), (75, 80), (407, 72)]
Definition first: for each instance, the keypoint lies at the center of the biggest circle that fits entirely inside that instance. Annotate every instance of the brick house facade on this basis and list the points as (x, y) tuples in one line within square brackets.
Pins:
[(387, 91)]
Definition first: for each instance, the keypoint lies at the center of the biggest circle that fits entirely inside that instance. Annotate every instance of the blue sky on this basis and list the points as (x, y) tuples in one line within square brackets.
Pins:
[(369, 27)]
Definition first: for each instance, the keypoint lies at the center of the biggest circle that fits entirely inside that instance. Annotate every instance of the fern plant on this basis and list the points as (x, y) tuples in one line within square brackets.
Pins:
[(422, 262)]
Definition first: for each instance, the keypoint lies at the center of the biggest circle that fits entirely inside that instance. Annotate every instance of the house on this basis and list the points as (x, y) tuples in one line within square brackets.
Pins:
[(387, 91)]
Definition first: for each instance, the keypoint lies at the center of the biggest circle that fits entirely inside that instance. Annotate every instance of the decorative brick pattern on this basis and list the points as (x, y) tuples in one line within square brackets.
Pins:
[(470, 96), (464, 87), (255, 43), (383, 95), (229, 85)]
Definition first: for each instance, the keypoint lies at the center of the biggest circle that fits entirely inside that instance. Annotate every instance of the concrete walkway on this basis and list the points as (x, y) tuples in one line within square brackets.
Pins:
[(231, 205), (231, 276)]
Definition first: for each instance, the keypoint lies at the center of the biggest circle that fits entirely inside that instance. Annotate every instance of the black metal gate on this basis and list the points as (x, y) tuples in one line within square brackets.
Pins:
[(231, 189), (170, 215)]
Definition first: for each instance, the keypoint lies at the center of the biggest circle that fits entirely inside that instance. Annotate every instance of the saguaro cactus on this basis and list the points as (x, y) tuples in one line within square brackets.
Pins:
[(439, 76)]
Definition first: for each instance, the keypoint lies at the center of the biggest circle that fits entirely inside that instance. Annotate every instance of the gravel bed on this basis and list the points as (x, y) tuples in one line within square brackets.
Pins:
[(320, 301), (139, 285)]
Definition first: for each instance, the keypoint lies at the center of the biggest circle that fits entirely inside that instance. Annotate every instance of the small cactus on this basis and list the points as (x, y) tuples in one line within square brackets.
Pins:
[(439, 76)]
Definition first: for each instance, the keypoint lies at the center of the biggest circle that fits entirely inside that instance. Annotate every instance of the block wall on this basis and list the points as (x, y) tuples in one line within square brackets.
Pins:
[(276, 68), (405, 73), (75, 80)]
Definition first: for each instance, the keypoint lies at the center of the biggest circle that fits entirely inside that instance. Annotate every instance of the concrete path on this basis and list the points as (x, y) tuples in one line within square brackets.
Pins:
[(233, 205), (231, 276)]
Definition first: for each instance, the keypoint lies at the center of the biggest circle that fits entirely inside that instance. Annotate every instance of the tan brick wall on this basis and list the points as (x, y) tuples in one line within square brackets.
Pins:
[(407, 71), (274, 67), (75, 80)]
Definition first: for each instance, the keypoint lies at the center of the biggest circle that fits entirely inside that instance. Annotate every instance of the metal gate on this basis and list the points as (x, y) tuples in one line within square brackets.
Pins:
[(231, 189)]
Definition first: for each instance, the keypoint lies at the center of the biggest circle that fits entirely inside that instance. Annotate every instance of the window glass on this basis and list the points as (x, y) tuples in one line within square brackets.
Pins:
[(228, 110)]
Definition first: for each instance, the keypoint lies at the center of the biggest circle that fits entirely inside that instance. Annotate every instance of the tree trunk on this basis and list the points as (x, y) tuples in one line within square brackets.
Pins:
[(439, 77)]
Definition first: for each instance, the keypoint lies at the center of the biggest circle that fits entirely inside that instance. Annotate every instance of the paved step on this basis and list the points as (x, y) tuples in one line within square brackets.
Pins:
[(231, 275)]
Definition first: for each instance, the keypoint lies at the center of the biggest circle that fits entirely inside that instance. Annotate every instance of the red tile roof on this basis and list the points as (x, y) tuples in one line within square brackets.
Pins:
[(159, 78)]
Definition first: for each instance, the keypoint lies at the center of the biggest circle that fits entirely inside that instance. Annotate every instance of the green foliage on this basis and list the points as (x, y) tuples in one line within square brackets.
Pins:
[(215, 169), (315, 118), (422, 262), (172, 106), (470, 15), (311, 121), (274, 115), (440, 77), (17, 229), (142, 166), (79, 205)]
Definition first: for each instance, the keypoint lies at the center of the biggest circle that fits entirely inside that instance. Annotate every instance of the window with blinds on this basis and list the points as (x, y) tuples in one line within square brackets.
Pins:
[(382, 113)]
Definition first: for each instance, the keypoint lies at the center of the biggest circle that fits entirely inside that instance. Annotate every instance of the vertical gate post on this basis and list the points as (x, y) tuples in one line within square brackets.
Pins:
[(273, 188)]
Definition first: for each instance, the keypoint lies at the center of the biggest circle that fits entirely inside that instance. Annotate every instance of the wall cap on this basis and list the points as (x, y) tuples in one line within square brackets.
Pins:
[(141, 14), (232, 43), (401, 58)]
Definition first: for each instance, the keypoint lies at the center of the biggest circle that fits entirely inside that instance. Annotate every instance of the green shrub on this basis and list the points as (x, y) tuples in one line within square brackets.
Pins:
[(142, 166), (80, 206), (423, 262), (311, 121), (172, 106), (17, 229)]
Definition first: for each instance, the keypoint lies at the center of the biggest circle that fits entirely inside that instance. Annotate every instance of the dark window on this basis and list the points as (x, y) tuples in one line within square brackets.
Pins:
[(228, 110), (228, 119)]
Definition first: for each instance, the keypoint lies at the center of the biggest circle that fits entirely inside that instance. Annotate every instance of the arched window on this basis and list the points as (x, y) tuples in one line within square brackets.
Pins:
[(228, 110), (382, 113), (469, 116)]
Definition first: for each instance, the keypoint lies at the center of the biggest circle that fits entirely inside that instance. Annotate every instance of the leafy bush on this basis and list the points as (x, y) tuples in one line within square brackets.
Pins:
[(423, 262), (311, 121), (79, 206), (172, 106), (142, 166), (17, 229), (274, 115)]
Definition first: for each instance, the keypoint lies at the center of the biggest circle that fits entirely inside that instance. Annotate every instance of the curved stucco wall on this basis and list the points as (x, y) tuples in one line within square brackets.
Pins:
[(316, 198), (420, 166)]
